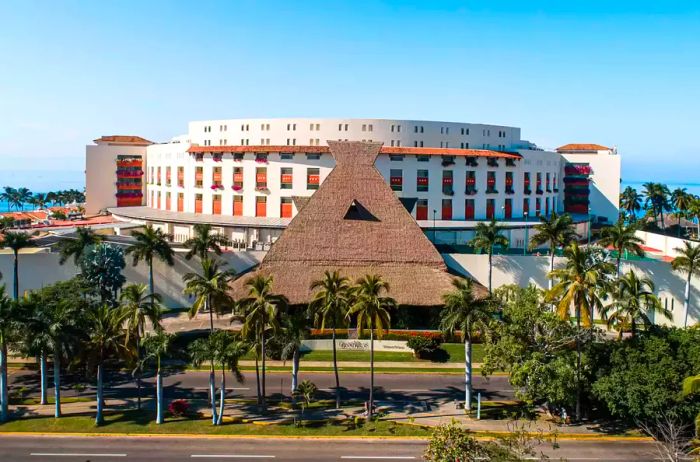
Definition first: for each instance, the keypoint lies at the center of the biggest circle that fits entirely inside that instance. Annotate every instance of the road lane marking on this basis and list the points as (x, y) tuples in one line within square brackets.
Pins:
[(231, 456), (379, 457), (219, 388), (72, 454)]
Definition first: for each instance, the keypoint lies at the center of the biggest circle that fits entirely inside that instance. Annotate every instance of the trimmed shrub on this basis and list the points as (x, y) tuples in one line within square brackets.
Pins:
[(423, 347), (178, 407)]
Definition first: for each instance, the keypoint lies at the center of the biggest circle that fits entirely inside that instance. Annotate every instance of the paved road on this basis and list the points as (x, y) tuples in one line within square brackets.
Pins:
[(191, 384), (156, 449)]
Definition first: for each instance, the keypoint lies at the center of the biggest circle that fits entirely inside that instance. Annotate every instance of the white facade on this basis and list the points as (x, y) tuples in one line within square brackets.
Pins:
[(286, 151)]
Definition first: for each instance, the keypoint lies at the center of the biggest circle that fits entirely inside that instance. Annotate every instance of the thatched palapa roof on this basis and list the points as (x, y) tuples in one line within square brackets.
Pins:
[(355, 223)]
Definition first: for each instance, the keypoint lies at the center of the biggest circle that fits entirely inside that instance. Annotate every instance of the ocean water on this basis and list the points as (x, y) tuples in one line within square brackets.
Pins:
[(691, 188)]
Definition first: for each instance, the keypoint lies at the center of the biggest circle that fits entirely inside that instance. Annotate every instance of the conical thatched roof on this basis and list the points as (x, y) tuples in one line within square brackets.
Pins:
[(355, 223)]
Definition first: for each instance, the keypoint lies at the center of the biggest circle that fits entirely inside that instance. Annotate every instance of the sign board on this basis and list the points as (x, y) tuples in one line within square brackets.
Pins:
[(398, 346)]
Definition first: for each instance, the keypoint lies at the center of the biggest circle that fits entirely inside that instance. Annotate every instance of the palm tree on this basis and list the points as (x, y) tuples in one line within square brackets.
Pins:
[(36, 340), (24, 195), (622, 238), (634, 299), (260, 311), (557, 230), (330, 306), (630, 202), (75, 247), (151, 243), (105, 337), (465, 312), (155, 347), (210, 289), (687, 261), (8, 195), (7, 326), (224, 349), (16, 241), (39, 200), (371, 308), (488, 236), (681, 201), (295, 329), (204, 241), (581, 286), (139, 308)]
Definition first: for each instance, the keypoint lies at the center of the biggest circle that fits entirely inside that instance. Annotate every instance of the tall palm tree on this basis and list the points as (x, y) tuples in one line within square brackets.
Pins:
[(371, 309), (634, 300), (680, 201), (204, 241), (224, 349), (24, 195), (295, 329), (8, 195), (39, 200), (687, 261), (582, 285), (330, 304), (7, 327), (261, 310), (105, 337), (75, 246), (557, 230), (622, 237), (487, 237), (465, 312), (36, 340), (630, 202), (151, 243), (155, 347), (140, 308), (16, 241)]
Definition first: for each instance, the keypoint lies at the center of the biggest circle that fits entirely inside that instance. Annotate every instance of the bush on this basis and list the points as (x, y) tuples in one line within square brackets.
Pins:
[(178, 407), (423, 347)]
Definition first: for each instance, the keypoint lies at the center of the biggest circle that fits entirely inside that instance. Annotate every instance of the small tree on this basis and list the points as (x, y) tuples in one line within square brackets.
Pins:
[(151, 243), (155, 347), (16, 241), (621, 236), (687, 261), (203, 242), (557, 230), (306, 391), (101, 266), (487, 237), (76, 246)]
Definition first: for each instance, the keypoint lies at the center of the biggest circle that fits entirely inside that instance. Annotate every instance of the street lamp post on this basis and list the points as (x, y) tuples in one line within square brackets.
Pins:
[(526, 236), (434, 232), (590, 220)]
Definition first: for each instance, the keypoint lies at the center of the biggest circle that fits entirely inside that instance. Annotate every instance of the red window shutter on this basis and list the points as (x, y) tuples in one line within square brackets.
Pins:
[(260, 209), (447, 213), (421, 212), (180, 204), (237, 208), (286, 210), (197, 206), (216, 205)]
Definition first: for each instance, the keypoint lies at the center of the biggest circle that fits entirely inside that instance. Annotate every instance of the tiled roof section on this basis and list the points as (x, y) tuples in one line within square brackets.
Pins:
[(582, 147), (300, 201), (355, 223), (384, 150), (123, 139)]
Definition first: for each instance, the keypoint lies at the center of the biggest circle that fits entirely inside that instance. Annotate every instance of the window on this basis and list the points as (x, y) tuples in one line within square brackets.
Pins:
[(158, 176), (447, 186), (396, 157), (369, 128), (490, 209), (526, 183), (422, 181), (261, 158), (286, 156), (546, 183), (168, 180), (471, 182), (237, 178), (509, 183), (364, 127), (446, 209), (181, 177), (491, 182), (198, 177), (508, 209), (216, 178), (313, 178), (546, 206), (286, 207), (216, 204), (422, 209), (180, 202), (396, 179), (260, 206), (237, 206), (538, 185), (423, 158), (469, 209), (261, 178), (286, 178), (197, 203), (538, 206), (313, 156)]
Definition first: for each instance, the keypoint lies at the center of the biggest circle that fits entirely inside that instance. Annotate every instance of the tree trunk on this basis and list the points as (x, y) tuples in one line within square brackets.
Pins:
[(257, 377), (15, 290), (57, 381), (578, 364), (4, 404), (550, 281), (160, 411), (263, 400), (467, 373), (99, 418), (295, 369), (619, 261), (490, 269), (138, 371), (42, 367), (371, 374), (220, 419), (150, 277), (335, 370), (686, 299)]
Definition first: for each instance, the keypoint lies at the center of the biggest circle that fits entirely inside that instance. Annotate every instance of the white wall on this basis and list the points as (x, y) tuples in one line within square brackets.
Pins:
[(521, 270), (101, 174), (666, 244)]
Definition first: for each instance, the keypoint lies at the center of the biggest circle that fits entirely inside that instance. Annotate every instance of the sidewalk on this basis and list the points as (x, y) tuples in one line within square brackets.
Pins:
[(362, 364)]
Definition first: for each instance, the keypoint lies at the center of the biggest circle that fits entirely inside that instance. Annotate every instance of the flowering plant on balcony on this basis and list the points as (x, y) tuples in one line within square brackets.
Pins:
[(261, 160), (217, 186), (262, 189), (492, 162), (539, 191), (470, 191), (217, 157), (237, 187), (471, 162)]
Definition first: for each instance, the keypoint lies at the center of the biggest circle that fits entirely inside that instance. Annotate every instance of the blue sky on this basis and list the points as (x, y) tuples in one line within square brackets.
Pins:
[(622, 73)]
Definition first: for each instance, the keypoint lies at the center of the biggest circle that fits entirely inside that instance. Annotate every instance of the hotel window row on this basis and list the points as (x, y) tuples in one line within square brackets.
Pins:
[(158, 199), (506, 209), (423, 182)]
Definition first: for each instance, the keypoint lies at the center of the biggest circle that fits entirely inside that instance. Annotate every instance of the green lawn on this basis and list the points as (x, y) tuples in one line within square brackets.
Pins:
[(136, 422)]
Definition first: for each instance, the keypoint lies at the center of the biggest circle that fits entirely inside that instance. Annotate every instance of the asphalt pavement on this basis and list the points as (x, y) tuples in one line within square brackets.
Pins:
[(157, 449)]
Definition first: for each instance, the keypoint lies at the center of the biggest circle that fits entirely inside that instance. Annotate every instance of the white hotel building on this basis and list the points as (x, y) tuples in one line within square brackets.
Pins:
[(247, 177)]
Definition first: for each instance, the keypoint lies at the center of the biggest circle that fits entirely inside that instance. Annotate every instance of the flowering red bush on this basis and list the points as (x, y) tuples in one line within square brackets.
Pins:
[(178, 407)]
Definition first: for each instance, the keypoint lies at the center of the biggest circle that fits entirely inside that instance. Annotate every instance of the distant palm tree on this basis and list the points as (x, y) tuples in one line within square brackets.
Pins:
[(7, 327), (371, 309), (557, 230), (140, 308), (8, 195), (330, 304), (24, 195), (687, 261), (487, 237), (39, 200), (155, 347), (634, 300), (76, 246), (630, 202), (261, 311), (582, 284), (681, 202), (622, 238), (657, 196), (151, 243), (16, 241), (203, 242), (465, 312), (105, 337), (296, 327)]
